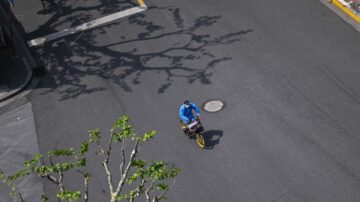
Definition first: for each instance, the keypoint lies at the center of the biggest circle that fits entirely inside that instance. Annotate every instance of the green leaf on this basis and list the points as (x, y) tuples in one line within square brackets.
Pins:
[(62, 152), (34, 161), (136, 175), (121, 122), (95, 136), (139, 163), (121, 130), (46, 199), (87, 175), (2, 175), (125, 129), (84, 147), (119, 197), (63, 166), (69, 195), (19, 174), (60, 167), (147, 136), (173, 172), (162, 186), (133, 194), (81, 162), (159, 171)]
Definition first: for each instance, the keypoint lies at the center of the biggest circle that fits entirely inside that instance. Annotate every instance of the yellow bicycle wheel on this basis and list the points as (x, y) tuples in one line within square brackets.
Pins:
[(200, 140)]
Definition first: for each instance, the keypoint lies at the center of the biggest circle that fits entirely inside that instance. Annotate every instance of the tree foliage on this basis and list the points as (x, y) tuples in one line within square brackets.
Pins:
[(147, 179)]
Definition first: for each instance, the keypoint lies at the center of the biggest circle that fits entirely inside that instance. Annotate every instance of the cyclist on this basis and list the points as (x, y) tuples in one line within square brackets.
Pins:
[(186, 112)]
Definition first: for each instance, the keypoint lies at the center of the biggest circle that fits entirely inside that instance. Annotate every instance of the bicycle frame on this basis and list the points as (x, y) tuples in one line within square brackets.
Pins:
[(194, 129)]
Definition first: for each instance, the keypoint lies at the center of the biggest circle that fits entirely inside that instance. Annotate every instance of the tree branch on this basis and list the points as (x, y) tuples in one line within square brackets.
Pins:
[(147, 192), (158, 198), (126, 172), (20, 196), (109, 146), (61, 185), (50, 160), (106, 161), (108, 174), (50, 178), (86, 191), (138, 190), (86, 177), (122, 157)]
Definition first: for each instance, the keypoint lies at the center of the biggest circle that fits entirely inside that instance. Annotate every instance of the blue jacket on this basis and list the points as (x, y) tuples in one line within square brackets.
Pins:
[(186, 114)]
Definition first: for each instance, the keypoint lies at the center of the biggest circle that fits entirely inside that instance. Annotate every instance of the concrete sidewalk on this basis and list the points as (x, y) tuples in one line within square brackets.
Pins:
[(18, 139), (18, 142)]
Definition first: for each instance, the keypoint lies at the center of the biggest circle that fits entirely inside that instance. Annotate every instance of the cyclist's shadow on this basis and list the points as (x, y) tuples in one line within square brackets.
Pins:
[(212, 138)]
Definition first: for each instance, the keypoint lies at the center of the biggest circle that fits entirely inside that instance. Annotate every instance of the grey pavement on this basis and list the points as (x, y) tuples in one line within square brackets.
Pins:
[(287, 71), (18, 143)]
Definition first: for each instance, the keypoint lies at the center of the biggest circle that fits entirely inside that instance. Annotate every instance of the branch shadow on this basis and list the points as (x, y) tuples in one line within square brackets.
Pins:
[(212, 138), (183, 51)]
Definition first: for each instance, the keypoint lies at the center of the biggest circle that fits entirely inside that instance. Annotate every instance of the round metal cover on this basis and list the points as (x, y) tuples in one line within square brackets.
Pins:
[(213, 105)]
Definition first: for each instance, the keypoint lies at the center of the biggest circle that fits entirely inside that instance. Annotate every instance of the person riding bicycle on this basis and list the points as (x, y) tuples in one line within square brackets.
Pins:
[(186, 113)]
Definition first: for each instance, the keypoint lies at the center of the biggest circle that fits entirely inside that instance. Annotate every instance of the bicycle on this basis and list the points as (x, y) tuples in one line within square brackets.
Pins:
[(194, 130)]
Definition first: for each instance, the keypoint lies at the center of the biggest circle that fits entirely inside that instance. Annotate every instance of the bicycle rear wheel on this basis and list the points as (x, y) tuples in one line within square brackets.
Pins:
[(200, 140)]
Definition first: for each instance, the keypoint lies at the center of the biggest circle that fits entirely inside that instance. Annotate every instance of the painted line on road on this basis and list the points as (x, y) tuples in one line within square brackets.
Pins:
[(88, 25), (344, 7)]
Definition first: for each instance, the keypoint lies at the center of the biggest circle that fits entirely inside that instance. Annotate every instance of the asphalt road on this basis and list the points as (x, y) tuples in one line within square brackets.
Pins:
[(287, 70)]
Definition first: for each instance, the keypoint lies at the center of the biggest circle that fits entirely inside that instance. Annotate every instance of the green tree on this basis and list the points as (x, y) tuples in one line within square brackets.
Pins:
[(144, 179)]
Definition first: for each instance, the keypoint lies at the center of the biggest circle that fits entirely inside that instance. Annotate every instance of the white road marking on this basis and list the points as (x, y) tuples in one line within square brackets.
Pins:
[(86, 26)]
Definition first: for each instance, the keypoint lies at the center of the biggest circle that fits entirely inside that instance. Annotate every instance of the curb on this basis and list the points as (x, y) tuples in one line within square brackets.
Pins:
[(20, 98), (346, 10), (341, 14)]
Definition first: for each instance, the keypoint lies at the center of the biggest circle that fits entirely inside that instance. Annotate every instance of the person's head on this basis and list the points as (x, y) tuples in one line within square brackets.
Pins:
[(187, 103)]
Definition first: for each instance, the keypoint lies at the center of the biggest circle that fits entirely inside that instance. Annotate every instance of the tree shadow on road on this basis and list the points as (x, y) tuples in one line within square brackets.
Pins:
[(212, 138), (60, 13), (184, 50)]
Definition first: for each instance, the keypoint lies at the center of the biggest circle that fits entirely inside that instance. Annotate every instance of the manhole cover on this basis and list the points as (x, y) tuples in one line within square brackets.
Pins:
[(213, 105)]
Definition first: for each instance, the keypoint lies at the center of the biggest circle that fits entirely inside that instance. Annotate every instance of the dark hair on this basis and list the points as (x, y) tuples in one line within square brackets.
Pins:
[(187, 102)]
